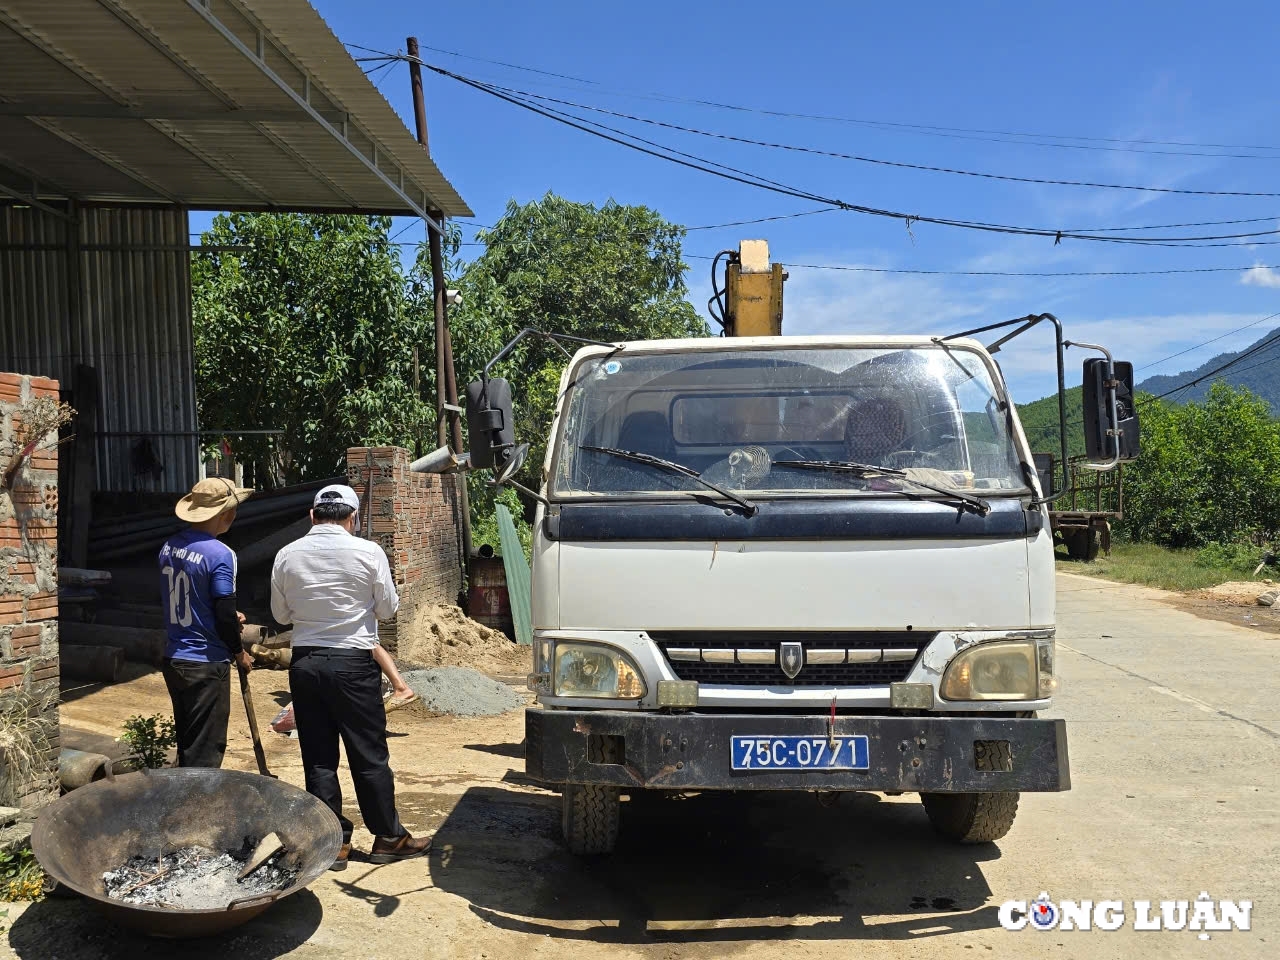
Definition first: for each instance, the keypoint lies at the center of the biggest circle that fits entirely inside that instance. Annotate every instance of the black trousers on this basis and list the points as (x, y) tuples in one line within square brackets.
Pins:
[(337, 694), (201, 695)]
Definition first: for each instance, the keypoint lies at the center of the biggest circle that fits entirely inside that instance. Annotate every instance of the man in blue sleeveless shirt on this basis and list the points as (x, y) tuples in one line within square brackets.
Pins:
[(198, 588)]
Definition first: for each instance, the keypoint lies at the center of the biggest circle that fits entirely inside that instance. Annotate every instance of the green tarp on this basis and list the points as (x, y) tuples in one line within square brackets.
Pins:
[(518, 579)]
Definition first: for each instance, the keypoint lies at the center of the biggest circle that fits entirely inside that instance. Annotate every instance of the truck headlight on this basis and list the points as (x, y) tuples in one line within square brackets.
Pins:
[(595, 670), (1003, 670)]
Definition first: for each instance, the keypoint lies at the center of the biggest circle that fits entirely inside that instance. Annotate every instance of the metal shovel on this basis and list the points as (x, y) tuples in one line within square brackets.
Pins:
[(267, 848)]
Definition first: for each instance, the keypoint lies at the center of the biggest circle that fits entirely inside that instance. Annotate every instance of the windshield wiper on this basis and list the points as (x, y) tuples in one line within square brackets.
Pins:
[(749, 508), (868, 470)]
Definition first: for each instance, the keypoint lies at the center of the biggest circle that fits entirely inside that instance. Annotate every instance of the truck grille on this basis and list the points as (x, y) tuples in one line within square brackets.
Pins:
[(866, 658)]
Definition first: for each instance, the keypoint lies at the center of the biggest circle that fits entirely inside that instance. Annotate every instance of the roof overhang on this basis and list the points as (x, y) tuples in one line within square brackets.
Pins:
[(207, 104)]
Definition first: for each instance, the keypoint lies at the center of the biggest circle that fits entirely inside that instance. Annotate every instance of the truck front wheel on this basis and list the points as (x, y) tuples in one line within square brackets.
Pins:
[(971, 817), (589, 814)]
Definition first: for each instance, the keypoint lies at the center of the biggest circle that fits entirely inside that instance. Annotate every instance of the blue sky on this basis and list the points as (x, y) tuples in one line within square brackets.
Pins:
[(1192, 73)]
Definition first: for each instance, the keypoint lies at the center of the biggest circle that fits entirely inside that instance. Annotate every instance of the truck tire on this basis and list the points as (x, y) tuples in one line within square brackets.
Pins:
[(973, 817), (1082, 543), (590, 812)]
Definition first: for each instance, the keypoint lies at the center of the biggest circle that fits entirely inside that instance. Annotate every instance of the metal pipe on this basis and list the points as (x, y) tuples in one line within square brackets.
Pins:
[(438, 294), (76, 768)]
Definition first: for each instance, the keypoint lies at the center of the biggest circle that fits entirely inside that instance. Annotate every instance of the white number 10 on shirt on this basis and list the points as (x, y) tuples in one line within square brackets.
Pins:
[(179, 597)]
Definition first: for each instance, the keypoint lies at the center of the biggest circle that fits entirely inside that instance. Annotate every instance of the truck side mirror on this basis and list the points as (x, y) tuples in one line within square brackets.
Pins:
[(1108, 438), (490, 423)]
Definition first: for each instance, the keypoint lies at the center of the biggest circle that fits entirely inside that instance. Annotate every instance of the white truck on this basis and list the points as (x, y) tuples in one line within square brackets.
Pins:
[(793, 563)]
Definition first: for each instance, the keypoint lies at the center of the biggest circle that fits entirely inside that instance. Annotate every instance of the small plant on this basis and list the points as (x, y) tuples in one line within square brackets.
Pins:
[(20, 876), (24, 742), (150, 739), (36, 419)]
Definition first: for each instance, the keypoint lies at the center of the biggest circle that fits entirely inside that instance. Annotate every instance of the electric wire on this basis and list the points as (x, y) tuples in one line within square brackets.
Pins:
[(1022, 138), (1009, 273), (1206, 343), (880, 161), (692, 161), (661, 151), (1243, 355)]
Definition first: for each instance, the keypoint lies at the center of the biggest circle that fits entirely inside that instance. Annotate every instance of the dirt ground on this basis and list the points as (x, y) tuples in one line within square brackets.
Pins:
[(1234, 602), (1174, 764)]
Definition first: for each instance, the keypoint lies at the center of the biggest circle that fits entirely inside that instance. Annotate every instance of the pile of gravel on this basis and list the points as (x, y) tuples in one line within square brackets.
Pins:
[(462, 692)]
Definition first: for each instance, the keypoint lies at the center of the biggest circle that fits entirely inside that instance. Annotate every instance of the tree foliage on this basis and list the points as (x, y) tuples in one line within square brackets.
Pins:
[(308, 327), (604, 273), (1209, 472)]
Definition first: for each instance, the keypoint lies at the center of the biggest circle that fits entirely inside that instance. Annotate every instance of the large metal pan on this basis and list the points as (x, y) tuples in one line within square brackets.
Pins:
[(98, 827)]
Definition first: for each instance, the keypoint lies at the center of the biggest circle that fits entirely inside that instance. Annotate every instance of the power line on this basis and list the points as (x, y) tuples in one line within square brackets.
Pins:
[(746, 223), (879, 161), (1207, 342), (1243, 355), (1114, 144), (499, 63), (1174, 226), (1008, 273), (630, 140)]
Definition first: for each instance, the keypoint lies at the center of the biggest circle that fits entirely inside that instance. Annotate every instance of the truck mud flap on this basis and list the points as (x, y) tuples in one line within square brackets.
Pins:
[(692, 752)]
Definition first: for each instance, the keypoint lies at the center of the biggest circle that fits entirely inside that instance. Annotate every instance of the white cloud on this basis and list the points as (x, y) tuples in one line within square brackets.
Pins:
[(1260, 276), (832, 301)]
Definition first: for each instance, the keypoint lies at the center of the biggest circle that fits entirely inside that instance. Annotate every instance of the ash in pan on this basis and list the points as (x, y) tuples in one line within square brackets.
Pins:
[(194, 878)]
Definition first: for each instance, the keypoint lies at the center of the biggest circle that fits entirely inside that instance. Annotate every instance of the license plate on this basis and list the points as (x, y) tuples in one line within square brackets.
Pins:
[(799, 753)]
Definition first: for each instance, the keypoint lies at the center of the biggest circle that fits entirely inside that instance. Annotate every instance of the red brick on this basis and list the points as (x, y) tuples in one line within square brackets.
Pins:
[(44, 387), (26, 640)]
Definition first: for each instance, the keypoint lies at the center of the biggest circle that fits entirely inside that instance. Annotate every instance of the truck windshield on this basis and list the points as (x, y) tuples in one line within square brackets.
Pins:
[(730, 414)]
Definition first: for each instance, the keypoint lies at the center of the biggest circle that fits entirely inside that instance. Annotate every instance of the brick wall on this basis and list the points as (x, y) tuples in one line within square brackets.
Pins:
[(29, 594), (416, 521)]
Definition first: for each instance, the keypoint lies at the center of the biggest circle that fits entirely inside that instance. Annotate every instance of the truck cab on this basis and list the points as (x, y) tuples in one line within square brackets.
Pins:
[(790, 563)]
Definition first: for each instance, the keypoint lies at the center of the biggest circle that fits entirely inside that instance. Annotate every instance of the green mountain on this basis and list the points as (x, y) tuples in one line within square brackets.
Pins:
[(1040, 421), (1258, 372)]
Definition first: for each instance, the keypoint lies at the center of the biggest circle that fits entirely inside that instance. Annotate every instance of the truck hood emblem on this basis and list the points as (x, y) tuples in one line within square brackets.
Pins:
[(791, 656)]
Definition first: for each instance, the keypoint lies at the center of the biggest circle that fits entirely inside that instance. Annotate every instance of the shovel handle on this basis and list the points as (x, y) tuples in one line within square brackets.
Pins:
[(258, 753)]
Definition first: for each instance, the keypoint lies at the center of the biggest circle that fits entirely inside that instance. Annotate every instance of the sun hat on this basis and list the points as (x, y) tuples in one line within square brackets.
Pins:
[(210, 497)]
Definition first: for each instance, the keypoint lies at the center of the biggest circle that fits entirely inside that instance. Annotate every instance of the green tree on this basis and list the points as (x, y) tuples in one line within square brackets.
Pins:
[(1209, 472), (307, 326), (604, 273)]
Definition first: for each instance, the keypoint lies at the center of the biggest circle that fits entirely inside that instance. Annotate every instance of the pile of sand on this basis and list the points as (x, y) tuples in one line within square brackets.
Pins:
[(445, 636), (1243, 593)]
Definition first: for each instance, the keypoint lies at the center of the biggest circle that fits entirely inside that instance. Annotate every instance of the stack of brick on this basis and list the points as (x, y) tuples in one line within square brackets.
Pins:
[(29, 593), (415, 519)]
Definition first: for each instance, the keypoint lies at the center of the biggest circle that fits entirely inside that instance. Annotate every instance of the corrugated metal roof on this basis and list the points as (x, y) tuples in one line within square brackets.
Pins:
[(220, 104)]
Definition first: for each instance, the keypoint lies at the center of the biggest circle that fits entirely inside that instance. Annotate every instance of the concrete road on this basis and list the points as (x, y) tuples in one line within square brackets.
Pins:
[(1175, 745)]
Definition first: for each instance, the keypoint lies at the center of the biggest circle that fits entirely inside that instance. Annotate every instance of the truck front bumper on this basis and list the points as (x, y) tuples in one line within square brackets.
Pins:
[(691, 751)]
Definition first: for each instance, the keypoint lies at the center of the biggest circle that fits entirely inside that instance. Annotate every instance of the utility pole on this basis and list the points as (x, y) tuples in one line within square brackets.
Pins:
[(433, 241), (446, 381)]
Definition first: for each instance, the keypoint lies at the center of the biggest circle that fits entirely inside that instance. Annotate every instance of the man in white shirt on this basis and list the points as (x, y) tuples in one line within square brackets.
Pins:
[(334, 587)]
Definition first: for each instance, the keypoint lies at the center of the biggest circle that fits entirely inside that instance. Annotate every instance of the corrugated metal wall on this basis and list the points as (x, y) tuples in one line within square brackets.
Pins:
[(121, 304)]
